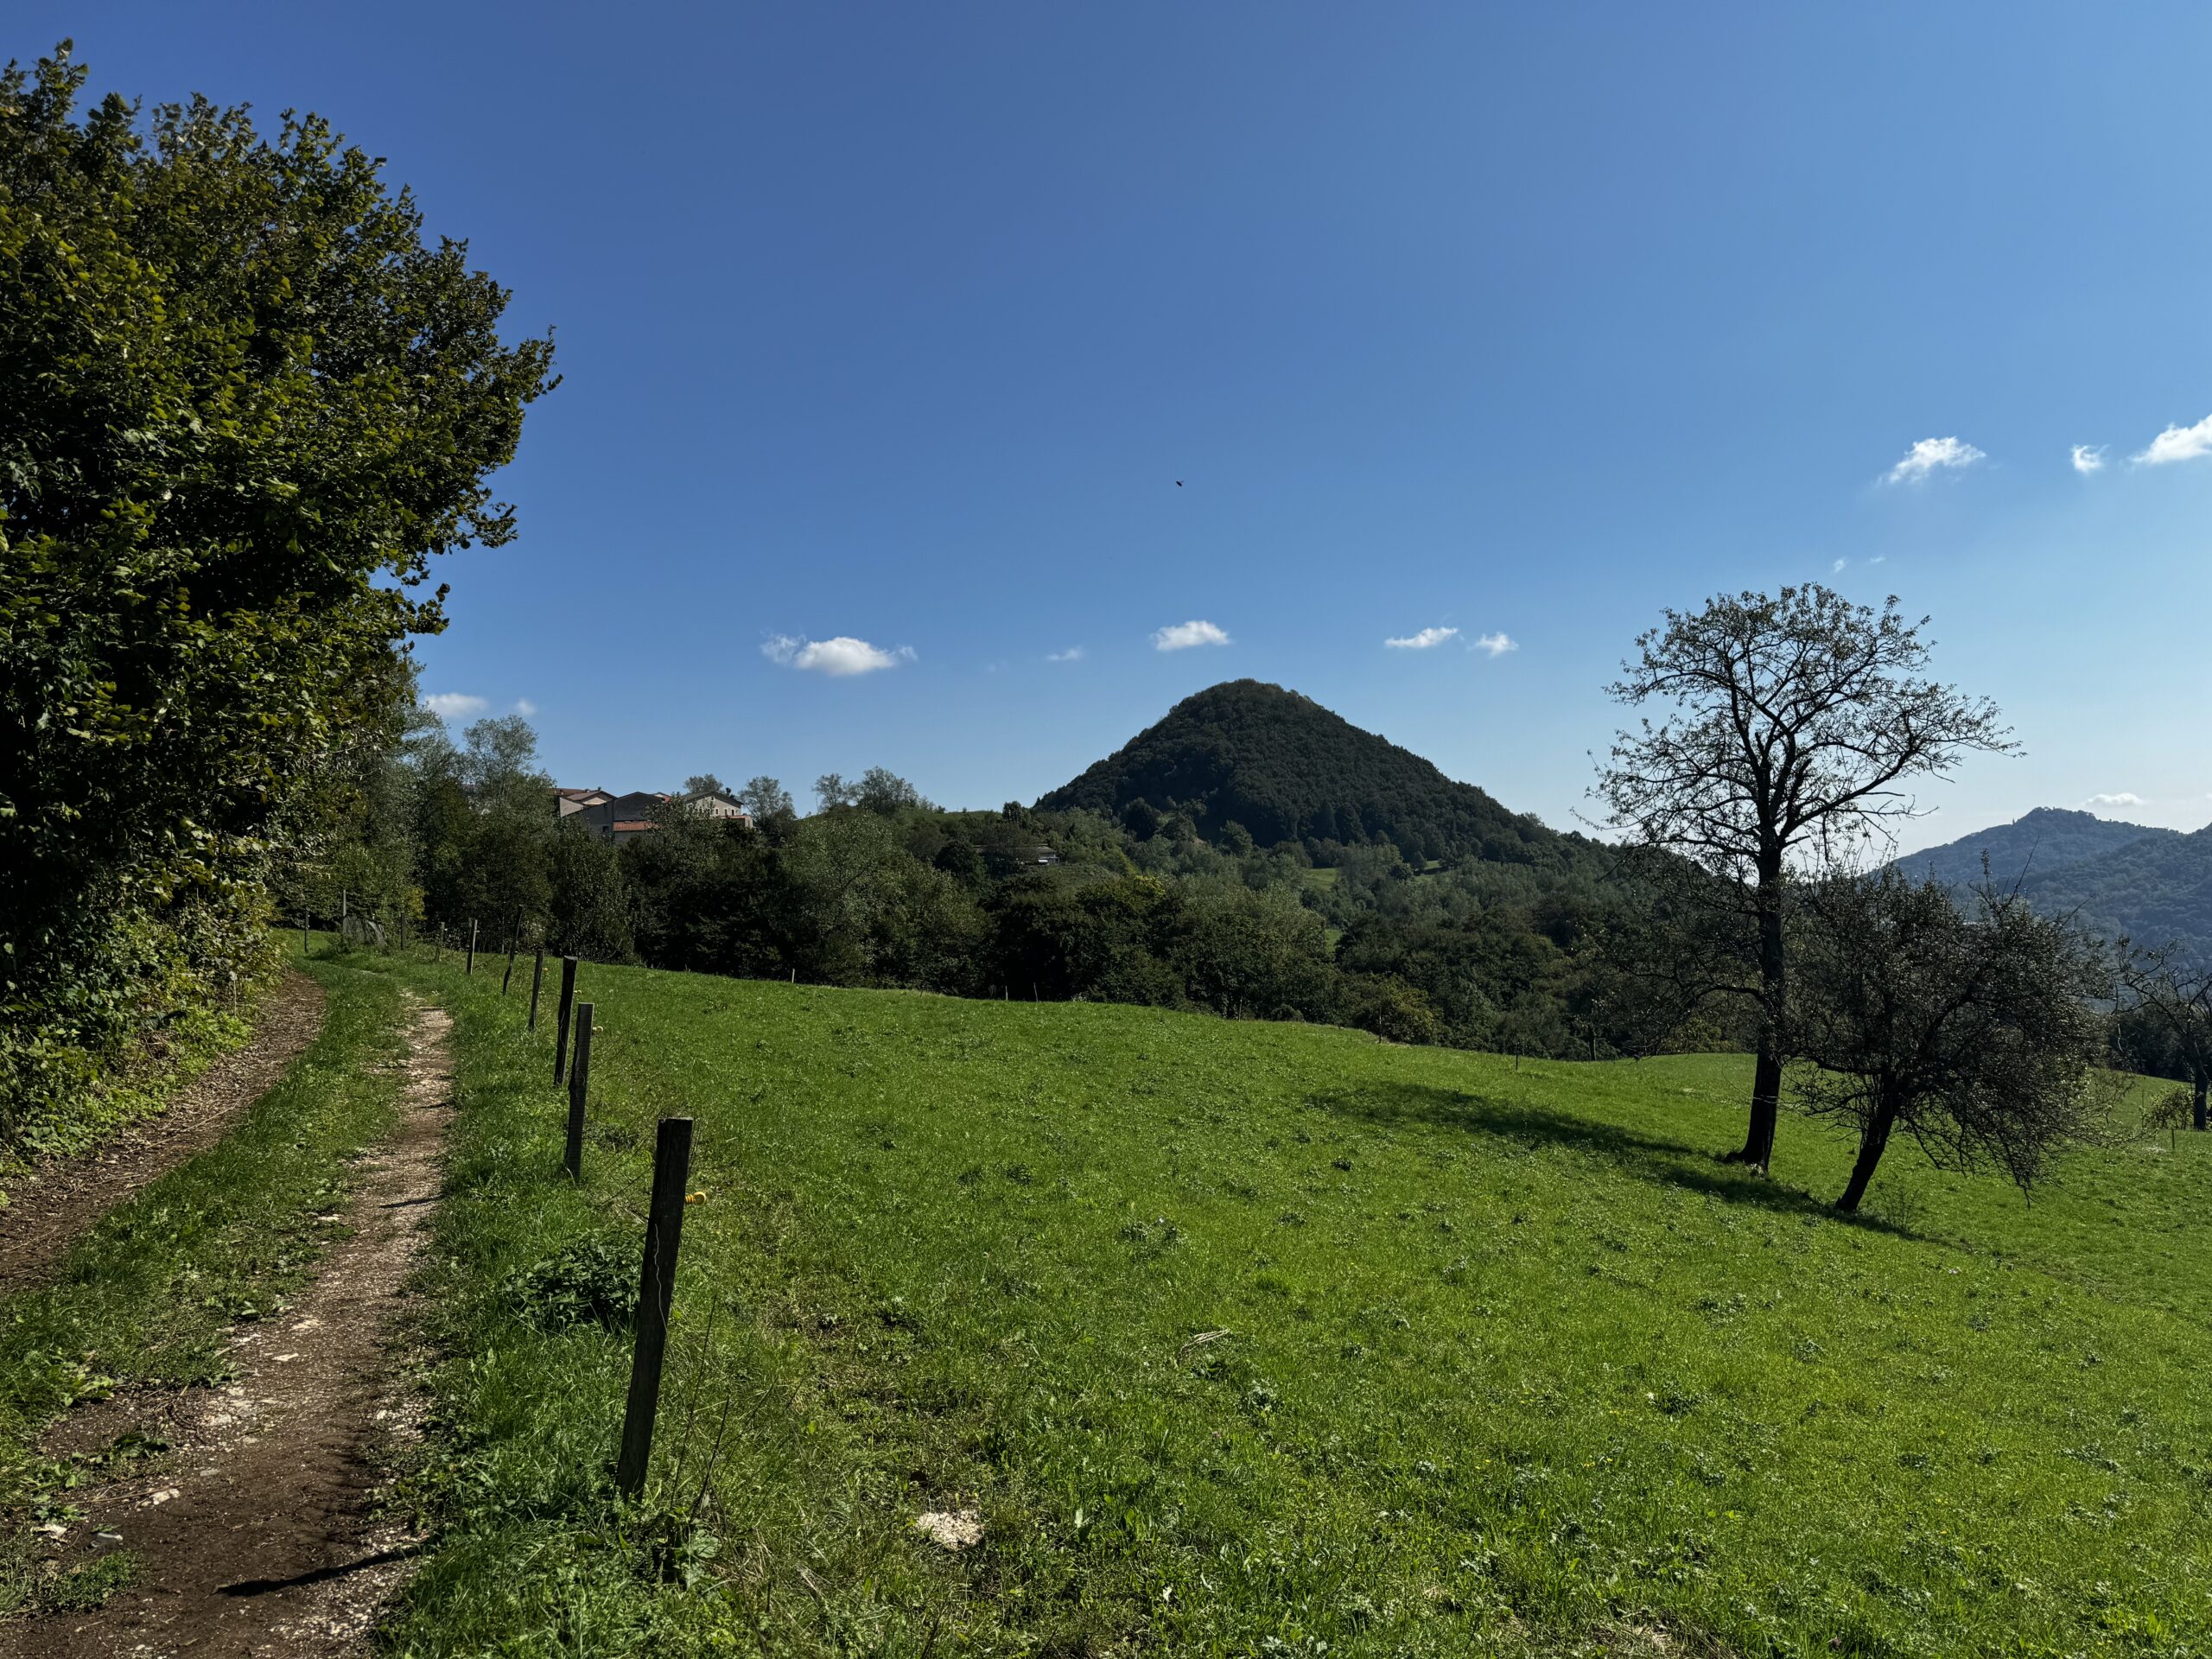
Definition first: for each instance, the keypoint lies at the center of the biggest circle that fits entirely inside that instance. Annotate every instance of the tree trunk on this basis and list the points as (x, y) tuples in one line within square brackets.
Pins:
[(1766, 1082), (2201, 1080), (1871, 1146)]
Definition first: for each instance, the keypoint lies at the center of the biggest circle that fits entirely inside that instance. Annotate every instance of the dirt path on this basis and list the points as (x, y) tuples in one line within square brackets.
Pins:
[(51, 1206), (254, 1534)]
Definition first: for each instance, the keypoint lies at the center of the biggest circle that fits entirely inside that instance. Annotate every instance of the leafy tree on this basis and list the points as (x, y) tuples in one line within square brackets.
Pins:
[(1393, 1010), (704, 783), (481, 827), (2174, 992), (1096, 938), (1973, 1034), (884, 790), (2173, 1111), (670, 877), (831, 790), (1790, 724), (497, 763), (247, 404), (1254, 956), (765, 798), (589, 902)]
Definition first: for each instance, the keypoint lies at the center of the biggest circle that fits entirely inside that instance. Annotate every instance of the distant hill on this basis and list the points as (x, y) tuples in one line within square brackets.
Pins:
[(2152, 885), (2044, 841), (2154, 890), (1287, 769)]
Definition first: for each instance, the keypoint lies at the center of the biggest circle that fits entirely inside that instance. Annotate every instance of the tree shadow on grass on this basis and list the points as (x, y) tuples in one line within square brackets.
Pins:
[(1665, 1163)]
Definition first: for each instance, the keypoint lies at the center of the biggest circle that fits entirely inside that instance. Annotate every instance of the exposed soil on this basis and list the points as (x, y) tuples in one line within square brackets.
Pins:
[(52, 1205), (255, 1535)]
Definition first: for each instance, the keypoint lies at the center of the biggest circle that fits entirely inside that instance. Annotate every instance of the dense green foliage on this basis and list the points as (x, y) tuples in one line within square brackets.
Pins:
[(1281, 768), (1501, 1360), (242, 404), (1975, 1033)]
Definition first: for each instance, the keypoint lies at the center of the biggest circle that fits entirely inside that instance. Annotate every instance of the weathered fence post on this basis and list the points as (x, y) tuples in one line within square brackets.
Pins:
[(472, 947), (514, 940), (438, 953), (561, 1019), (656, 1289), (307, 920), (579, 1083), (537, 978)]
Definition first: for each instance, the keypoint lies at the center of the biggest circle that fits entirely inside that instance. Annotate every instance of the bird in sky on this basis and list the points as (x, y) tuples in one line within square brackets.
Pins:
[(1179, 483)]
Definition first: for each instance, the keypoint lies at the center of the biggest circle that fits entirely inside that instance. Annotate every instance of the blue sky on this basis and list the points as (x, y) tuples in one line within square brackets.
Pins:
[(899, 324)]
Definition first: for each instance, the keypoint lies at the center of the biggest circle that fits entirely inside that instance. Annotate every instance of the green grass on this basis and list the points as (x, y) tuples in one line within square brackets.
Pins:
[(151, 1293), (1513, 1363)]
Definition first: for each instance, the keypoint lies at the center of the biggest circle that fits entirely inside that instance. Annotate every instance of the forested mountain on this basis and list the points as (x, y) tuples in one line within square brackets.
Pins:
[(2033, 846), (2156, 889), (1286, 770), (2153, 886)]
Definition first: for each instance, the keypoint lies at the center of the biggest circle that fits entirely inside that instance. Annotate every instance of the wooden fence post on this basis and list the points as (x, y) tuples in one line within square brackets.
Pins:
[(472, 946), (561, 1019), (579, 1085), (656, 1289), (537, 978), (514, 940), (307, 920)]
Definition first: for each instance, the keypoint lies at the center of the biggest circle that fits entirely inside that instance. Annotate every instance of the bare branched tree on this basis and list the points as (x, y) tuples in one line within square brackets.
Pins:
[(1977, 1034), (1793, 724), (2177, 991)]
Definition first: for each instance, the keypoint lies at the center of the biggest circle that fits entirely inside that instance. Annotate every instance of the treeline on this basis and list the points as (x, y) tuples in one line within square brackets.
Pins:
[(879, 887)]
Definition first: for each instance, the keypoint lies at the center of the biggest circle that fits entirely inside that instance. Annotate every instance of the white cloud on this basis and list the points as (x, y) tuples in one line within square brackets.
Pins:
[(2123, 797), (1423, 640), (1836, 570), (455, 705), (1072, 654), (2088, 458), (837, 657), (1929, 455), (2178, 443), (524, 707), (1183, 635), (1496, 644)]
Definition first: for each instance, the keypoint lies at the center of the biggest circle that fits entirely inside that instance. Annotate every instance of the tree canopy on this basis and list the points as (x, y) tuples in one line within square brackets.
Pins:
[(1974, 1033), (247, 405)]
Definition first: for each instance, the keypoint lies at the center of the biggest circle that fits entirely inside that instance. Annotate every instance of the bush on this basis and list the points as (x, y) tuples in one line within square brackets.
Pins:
[(590, 1281), (1394, 1011)]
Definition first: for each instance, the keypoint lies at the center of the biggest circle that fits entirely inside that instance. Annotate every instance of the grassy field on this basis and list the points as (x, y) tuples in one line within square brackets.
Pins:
[(1260, 1339)]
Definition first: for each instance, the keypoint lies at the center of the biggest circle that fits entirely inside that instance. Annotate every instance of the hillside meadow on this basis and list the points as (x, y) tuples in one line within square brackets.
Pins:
[(1269, 1339)]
